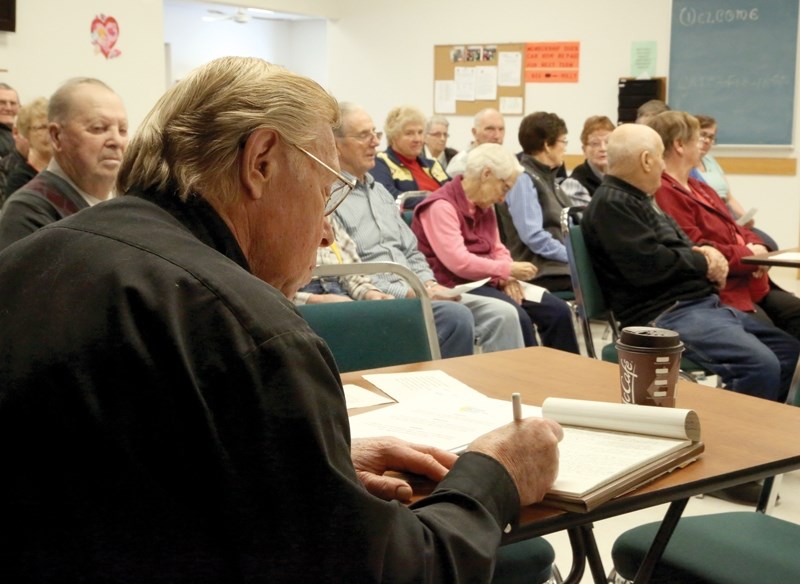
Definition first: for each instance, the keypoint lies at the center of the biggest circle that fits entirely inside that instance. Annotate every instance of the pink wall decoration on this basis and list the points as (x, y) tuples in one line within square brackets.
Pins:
[(105, 33)]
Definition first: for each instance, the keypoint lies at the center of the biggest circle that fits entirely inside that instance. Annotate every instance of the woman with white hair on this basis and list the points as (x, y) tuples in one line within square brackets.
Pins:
[(436, 135), (402, 167), (457, 231)]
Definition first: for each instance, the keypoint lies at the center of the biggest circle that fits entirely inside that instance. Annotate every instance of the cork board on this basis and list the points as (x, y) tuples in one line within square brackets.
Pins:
[(510, 93)]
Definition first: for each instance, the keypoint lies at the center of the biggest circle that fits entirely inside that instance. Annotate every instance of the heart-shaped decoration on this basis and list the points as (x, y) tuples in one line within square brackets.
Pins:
[(105, 33)]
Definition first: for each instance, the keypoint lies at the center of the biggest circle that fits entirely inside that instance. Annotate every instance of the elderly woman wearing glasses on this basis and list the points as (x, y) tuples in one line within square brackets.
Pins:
[(32, 126), (586, 177), (702, 215), (456, 230), (436, 135), (530, 218), (402, 168)]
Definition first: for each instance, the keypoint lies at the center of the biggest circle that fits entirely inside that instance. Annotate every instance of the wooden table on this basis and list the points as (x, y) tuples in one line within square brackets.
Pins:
[(746, 438), (769, 259)]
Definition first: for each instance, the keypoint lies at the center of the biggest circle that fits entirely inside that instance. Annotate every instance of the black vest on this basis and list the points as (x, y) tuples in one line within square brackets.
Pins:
[(552, 200)]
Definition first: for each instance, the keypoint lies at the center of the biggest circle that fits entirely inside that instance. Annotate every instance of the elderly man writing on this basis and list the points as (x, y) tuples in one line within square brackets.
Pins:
[(89, 132), (187, 425), (457, 231)]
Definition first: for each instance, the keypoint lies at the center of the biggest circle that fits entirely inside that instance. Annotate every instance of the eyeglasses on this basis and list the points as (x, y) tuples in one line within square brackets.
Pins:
[(564, 141), (597, 143), (39, 128), (439, 135), (366, 136), (339, 190), (708, 137)]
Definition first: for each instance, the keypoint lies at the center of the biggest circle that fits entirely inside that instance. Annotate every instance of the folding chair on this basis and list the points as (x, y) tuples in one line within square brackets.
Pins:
[(738, 547), (590, 302), (370, 334)]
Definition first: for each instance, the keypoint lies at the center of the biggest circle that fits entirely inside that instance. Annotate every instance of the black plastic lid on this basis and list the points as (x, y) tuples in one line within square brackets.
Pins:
[(648, 336)]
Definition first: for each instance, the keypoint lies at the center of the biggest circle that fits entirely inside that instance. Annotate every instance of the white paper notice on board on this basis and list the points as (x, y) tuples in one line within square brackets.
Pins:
[(486, 83), (509, 69), (511, 105), (465, 83), (445, 97)]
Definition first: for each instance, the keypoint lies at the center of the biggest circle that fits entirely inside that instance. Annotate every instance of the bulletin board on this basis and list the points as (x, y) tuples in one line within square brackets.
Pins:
[(454, 65)]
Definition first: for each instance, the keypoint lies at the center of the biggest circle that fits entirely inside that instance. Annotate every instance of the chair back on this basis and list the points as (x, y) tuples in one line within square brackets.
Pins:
[(368, 334), (589, 299)]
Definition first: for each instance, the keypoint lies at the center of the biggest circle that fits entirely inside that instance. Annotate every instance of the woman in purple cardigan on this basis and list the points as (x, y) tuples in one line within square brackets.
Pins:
[(457, 231)]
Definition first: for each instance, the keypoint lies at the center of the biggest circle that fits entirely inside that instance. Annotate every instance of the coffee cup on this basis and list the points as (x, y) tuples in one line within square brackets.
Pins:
[(649, 363)]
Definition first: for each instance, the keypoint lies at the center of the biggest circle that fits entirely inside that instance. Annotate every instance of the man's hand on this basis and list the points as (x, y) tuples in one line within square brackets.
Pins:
[(513, 289), (523, 270), (528, 449), (374, 456), (327, 298), (377, 295), (435, 293), (717, 264)]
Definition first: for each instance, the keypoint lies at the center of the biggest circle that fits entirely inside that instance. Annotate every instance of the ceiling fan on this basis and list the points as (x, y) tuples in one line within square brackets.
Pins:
[(241, 16)]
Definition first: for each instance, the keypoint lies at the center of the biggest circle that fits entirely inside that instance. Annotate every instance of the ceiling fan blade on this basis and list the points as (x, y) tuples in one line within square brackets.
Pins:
[(216, 15)]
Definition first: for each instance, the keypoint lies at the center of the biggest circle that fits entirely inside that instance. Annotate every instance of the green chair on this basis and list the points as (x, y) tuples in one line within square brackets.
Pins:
[(739, 547), (371, 334), (590, 302)]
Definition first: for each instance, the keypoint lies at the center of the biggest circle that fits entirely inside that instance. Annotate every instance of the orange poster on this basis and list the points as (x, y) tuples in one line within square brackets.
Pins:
[(552, 62)]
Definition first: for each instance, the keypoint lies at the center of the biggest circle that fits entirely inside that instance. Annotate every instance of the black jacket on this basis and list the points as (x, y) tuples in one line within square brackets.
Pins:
[(644, 262), (166, 416)]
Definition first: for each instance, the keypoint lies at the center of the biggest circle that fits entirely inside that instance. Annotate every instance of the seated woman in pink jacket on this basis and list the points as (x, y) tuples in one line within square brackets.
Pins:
[(457, 231)]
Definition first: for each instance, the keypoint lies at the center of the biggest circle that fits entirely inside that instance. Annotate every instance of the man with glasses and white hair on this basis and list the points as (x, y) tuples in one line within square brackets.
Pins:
[(371, 218), (166, 415)]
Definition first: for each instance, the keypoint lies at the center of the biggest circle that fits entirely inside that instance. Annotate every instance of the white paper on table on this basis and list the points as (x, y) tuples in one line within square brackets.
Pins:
[(424, 385), (486, 82), (445, 97), (450, 425), (465, 83), (510, 105), (532, 293), (358, 397), (509, 69), (791, 256), (461, 288)]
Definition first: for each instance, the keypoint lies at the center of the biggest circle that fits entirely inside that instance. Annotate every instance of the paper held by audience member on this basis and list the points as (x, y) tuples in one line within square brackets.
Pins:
[(445, 97), (424, 385), (532, 293), (461, 288), (745, 219), (509, 69), (449, 425), (358, 397)]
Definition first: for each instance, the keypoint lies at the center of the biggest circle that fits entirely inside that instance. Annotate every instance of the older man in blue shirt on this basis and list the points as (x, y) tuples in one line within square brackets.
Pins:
[(371, 218)]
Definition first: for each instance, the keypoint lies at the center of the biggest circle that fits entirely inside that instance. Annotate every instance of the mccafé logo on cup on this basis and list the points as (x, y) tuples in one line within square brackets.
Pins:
[(627, 371), (649, 362)]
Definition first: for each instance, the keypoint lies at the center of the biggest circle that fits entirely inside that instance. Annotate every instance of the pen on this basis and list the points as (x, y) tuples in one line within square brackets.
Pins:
[(516, 403)]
